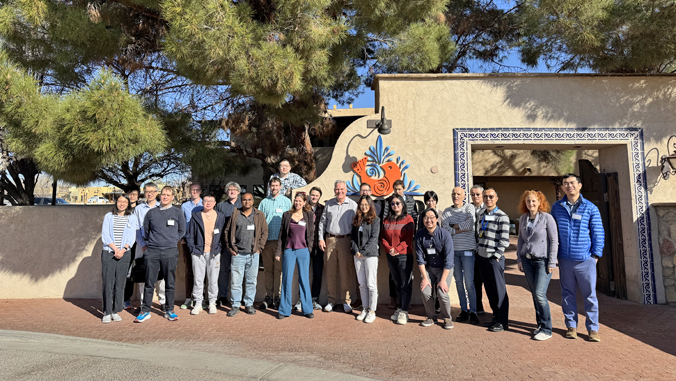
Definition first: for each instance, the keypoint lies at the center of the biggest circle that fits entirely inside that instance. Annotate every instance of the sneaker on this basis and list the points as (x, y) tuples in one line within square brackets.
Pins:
[(127, 305), (572, 333), (448, 323), (497, 327), (143, 316), (116, 317), (310, 315), (594, 336), (427, 323), (463, 317), (106, 319), (362, 315), (347, 308), (328, 308), (187, 304), (233, 311), (171, 316), (395, 315), (541, 336), (196, 310), (370, 318), (536, 331), (267, 303), (316, 306), (298, 307), (250, 310), (275, 303), (403, 318), (473, 319), (212, 308)]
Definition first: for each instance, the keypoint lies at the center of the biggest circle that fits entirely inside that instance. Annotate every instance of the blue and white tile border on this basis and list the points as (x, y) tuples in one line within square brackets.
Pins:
[(463, 138)]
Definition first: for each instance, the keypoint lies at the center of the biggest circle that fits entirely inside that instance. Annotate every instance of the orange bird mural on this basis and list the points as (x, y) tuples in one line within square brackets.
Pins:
[(383, 185)]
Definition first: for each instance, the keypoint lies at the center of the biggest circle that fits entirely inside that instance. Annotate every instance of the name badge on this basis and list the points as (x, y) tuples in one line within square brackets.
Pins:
[(361, 228), (301, 223), (490, 218), (431, 251), (278, 210), (170, 222), (250, 227), (216, 231), (577, 216)]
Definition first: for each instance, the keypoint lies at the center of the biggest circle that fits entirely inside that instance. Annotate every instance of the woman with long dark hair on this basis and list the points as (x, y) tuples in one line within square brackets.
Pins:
[(295, 238), (118, 235), (397, 240), (537, 251), (365, 232)]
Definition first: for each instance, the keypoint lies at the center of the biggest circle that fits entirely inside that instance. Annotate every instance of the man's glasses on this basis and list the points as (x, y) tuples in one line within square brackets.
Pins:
[(490, 197)]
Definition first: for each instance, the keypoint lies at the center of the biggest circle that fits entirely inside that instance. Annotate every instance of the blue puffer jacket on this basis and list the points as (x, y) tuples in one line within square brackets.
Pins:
[(579, 238)]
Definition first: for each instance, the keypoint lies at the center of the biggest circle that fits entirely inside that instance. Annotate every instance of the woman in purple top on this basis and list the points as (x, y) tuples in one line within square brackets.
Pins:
[(295, 237)]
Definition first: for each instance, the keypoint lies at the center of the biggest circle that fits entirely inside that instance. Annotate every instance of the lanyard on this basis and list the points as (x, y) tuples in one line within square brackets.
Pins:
[(484, 223)]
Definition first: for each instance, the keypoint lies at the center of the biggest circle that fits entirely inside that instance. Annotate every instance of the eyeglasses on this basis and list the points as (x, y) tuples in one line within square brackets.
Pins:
[(429, 218), (490, 197), (395, 203)]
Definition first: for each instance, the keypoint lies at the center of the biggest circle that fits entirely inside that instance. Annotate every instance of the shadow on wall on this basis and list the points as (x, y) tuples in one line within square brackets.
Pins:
[(87, 281), (40, 241)]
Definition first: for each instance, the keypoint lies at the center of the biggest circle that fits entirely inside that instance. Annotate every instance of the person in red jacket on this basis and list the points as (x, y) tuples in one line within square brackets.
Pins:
[(397, 240)]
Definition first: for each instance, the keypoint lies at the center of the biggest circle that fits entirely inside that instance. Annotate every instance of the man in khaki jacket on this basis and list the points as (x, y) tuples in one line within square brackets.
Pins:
[(245, 237)]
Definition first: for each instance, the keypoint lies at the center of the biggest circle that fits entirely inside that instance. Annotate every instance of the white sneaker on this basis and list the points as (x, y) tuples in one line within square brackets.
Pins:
[(541, 336), (116, 317), (187, 304), (347, 308), (299, 307), (328, 308), (196, 310), (316, 306), (371, 317), (362, 315), (212, 308), (106, 319), (395, 316), (403, 318)]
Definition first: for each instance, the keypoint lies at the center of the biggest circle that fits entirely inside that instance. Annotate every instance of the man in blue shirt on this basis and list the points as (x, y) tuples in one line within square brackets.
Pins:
[(581, 241), (273, 207), (194, 204), (227, 207), (434, 250)]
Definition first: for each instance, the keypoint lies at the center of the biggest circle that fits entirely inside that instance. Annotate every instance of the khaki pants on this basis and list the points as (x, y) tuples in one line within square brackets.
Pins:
[(273, 270), (339, 266)]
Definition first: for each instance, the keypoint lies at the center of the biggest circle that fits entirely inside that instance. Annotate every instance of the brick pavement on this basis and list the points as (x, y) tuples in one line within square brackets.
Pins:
[(637, 341)]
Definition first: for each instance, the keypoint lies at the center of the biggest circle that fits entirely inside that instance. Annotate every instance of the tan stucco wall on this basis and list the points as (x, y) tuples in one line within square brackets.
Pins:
[(425, 109), (510, 192), (518, 162)]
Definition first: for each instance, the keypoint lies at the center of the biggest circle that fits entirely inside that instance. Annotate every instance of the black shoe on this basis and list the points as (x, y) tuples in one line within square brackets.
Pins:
[(233, 312), (280, 316), (275, 304), (498, 327), (267, 303), (473, 319), (490, 323), (310, 315), (463, 317), (480, 311)]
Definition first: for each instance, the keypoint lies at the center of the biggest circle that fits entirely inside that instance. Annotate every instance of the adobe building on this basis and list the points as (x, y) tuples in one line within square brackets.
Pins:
[(442, 123)]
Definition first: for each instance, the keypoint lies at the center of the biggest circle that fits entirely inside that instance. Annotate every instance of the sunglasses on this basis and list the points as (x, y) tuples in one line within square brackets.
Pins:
[(490, 197), (395, 203)]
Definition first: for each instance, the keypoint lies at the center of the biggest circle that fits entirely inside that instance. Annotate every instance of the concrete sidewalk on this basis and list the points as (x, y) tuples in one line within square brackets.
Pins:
[(638, 341)]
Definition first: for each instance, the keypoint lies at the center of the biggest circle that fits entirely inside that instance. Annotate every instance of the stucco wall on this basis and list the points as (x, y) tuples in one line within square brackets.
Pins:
[(666, 221)]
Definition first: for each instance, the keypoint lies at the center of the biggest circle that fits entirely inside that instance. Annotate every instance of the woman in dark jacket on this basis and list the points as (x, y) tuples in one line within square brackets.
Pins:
[(536, 254), (295, 239), (365, 232)]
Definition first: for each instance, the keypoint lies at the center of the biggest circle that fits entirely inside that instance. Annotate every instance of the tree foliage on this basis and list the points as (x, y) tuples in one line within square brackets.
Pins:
[(605, 36)]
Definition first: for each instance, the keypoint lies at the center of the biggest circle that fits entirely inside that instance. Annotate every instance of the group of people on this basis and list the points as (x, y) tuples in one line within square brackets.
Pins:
[(341, 241)]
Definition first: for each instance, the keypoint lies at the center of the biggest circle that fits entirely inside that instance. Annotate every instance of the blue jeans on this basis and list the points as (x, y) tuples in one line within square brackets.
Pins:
[(289, 260), (244, 266), (582, 274), (538, 281), (463, 269)]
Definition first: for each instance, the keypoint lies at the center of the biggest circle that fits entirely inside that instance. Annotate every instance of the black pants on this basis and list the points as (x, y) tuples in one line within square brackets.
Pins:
[(317, 258), (401, 269), (129, 285), (160, 262), (393, 286), (493, 274), (224, 276), (478, 284), (113, 275)]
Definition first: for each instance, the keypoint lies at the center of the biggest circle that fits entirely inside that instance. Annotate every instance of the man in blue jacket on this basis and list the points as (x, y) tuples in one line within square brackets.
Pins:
[(581, 240)]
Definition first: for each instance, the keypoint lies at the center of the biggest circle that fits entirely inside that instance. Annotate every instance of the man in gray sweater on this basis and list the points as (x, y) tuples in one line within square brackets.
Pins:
[(164, 227), (459, 219)]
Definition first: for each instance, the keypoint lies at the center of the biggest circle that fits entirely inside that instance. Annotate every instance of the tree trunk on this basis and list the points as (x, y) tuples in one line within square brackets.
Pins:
[(19, 181)]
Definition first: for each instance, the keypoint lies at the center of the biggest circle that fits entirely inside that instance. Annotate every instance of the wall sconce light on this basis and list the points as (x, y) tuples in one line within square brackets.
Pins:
[(383, 125), (668, 164)]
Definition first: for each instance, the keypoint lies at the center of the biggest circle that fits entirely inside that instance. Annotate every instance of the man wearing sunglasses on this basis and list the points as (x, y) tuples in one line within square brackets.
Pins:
[(492, 229)]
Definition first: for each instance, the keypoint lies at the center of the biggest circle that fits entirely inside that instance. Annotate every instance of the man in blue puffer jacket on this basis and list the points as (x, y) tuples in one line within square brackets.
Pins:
[(581, 240)]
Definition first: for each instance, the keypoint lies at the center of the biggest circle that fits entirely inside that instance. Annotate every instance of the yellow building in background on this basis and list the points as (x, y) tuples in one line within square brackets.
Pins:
[(80, 195)]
